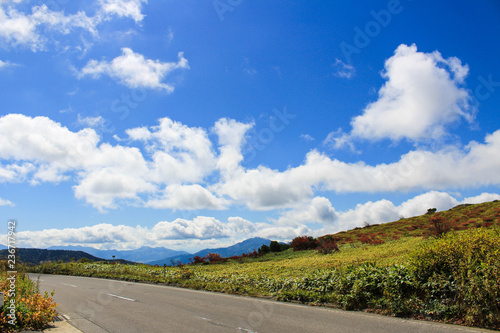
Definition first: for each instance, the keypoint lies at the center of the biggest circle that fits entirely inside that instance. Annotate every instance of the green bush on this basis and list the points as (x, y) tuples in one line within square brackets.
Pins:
[(460, 275)]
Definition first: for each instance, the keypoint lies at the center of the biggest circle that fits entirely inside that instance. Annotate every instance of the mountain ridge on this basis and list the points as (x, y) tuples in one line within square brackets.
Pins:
[(142, 254), (248, 245)]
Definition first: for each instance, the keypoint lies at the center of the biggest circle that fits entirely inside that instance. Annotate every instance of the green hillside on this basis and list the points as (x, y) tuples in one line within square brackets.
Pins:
[(38, 256)]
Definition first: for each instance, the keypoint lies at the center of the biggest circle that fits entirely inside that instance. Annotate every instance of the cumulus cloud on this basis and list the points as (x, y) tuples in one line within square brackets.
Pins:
[(41, 140), (483, 197), (433, 199), (422, 94), (266, 189), (103, 187), (231, 138), (179, 153), (134, 71), (318, 210), (188, 197), (200, 227)]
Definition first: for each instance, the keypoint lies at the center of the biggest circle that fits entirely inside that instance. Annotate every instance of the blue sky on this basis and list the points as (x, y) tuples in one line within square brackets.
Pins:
[(191, 124)]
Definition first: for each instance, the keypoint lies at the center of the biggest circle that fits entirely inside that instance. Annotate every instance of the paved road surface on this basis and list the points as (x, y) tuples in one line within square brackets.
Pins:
[(99, 305)]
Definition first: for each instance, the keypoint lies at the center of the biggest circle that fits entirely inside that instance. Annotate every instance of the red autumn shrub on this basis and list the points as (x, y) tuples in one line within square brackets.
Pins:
[(303, 243)]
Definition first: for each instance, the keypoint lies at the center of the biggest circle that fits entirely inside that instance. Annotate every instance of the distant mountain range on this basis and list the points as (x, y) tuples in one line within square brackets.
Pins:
[(143, 254), (148, 255), (246, 246)]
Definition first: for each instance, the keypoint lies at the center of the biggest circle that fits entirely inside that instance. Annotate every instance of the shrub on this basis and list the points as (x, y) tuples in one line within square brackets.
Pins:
[(327, 246), (303, 243), (213, 258), (439, 226), (197, 260), (33, 311), (460, 275), (370, 239)]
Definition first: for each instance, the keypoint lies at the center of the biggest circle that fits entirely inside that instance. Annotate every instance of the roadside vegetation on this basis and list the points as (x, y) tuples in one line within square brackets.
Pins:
[(439, 266), (32, 310)]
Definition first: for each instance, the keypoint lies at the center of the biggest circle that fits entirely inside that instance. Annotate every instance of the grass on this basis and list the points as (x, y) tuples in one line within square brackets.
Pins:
[(404, 268)]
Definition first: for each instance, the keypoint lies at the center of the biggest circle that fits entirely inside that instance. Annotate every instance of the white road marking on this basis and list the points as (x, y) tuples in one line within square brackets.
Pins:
[(125, 298), (224, 325), (71, 285), (66, 317)]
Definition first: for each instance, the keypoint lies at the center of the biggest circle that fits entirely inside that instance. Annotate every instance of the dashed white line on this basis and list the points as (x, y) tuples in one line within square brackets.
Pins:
[(125, 298), (225, 325), (71, 285)]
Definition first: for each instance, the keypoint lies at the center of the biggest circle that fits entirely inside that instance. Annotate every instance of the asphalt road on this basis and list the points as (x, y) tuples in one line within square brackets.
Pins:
[(99, 305)]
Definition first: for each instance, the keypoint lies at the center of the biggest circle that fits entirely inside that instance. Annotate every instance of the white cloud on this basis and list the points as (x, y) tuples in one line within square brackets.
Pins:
[(41, 140), (15, 172), (371, 212), (231, 138), (338, 139), (266, 189), (124, 8), (200, 227), (179, 153), (134, 71), (421, 203), (188, 197), (4, 202), (318, 210), (103, 187), (100, 234), (343, 70), (483, 197), (28, 30), (5, 64), (307, 137), (33, 30), (92, 122), (422, 94)]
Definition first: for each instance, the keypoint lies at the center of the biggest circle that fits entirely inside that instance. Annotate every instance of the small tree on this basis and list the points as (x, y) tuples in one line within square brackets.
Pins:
[(264, 249), (275, 246), (439, 226), (431, 211)]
